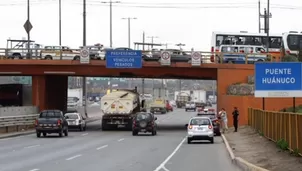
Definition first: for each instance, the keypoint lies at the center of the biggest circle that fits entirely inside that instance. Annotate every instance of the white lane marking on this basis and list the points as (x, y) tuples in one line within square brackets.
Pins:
[(84, 134), (165, 169), (104, 146), (34, 169), (162, 165), (73, 157), (32, 146), (122, 139)]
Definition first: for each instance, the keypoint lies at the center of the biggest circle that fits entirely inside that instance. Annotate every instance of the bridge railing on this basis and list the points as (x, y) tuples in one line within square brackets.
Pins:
[(17, 123), (176, 56), (280, 127)]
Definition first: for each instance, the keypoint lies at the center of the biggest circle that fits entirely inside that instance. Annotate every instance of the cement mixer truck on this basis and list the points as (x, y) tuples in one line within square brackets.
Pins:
[(119, 107)]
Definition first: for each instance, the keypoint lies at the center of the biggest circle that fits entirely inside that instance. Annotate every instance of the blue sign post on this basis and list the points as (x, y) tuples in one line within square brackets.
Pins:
[(278, 79), (124, 59)]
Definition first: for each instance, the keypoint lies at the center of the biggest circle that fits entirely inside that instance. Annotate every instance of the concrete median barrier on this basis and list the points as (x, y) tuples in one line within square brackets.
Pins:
[(241, 163)]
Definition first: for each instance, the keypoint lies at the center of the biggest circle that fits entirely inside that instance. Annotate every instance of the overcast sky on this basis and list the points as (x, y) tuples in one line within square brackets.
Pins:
[(184, 24)]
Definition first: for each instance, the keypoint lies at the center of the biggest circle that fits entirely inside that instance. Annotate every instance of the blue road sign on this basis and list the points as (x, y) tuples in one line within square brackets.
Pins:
[(278, 79), (124, 59)]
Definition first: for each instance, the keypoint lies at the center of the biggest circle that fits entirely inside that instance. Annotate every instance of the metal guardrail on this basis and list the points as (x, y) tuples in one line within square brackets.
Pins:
[(176, 56), (22, 120)]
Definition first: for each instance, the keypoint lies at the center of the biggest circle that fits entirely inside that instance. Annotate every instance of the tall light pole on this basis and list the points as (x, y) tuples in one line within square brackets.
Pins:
[(267, 26), (28, 32), (110, 10), (60, 28), (152, 39), (84, 44), (129, 29)]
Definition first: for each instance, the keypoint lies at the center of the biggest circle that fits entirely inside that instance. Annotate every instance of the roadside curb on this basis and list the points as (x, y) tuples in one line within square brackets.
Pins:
[(240, 162), (17, 134)]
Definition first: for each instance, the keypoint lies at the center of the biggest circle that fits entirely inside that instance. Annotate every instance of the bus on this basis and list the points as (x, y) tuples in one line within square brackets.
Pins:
[(292, 43), (245, 38)]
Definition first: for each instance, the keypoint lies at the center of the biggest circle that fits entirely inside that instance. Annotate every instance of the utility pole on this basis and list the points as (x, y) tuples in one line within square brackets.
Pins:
[(110, 10), (28, 32), (143, 41), (268, 16), (259, 15), (129, 29), (152, 40), (60, 28), (84, 44)]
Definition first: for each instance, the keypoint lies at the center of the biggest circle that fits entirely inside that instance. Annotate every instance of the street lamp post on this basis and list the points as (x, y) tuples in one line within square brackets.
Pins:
[(110, 6), (60, 28), (84, 44), (129, 29)]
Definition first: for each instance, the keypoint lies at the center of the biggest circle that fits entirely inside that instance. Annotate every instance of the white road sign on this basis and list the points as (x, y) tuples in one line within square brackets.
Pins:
[(85, 59), (196, 59), (165, 58)]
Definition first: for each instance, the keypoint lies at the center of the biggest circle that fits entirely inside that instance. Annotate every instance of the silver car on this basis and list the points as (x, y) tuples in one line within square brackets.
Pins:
[(200, 128), (75, 120)]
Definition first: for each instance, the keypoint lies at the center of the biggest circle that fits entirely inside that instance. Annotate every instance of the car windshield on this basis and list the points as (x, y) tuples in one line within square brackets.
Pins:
[(143, 116), (71, 116), (200, 121)]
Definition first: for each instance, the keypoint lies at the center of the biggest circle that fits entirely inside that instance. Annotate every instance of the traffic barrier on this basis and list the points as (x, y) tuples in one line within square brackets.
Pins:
[(279, 127), (17, 123), (174, 56)]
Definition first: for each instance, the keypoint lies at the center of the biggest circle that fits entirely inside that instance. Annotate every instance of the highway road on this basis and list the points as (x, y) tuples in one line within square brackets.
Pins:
[(95, 150)]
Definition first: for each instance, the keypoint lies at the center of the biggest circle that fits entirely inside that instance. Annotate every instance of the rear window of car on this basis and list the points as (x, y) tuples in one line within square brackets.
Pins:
[(200, 121), (50, 114), (71, 116), (143, 116)]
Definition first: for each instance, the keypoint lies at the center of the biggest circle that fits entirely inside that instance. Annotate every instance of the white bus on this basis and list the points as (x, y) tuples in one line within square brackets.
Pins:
[(292, 43), (245, 38)]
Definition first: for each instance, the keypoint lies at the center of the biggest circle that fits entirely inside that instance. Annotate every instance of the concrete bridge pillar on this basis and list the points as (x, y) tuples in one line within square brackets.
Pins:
[(50, 92)]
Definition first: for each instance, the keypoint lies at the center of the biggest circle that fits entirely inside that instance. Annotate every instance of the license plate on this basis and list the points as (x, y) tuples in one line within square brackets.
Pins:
[(121, 107), (200, 129), (47, 127), (143, 129), (117, 122)]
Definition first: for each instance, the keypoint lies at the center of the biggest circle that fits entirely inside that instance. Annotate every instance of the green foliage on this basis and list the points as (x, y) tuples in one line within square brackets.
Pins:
[(291, 109), (282, 144), (295, 152), (290, 58)]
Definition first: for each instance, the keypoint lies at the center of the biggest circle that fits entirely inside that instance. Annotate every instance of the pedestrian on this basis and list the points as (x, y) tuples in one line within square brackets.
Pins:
[(235, 118), (224, 119)]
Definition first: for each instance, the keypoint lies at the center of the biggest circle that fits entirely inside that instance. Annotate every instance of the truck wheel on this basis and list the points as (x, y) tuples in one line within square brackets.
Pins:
[(38, 134), (44, 134), (153, 132), (66, 132)]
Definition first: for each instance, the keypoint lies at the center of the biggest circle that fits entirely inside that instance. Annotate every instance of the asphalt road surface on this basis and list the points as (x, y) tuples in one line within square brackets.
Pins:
[(95, 150)]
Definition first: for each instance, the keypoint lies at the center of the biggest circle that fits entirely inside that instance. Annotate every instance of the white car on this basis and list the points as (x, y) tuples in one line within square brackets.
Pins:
[(191, 106), (200, 128), (75, 120)]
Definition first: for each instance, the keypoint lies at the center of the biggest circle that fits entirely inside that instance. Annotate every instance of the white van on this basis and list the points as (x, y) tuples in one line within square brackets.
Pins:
[(255, 53)]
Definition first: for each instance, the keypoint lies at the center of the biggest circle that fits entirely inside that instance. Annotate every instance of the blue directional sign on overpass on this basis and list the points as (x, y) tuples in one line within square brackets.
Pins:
[(278, 79), (124, 59)]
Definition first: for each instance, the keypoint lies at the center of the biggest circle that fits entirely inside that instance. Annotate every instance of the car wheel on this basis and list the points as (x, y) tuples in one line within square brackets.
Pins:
[(44, 134), (38, 134), (66, 132), (134, 133), (188, 140), (153, 132), (60, 133), (212, 141)]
